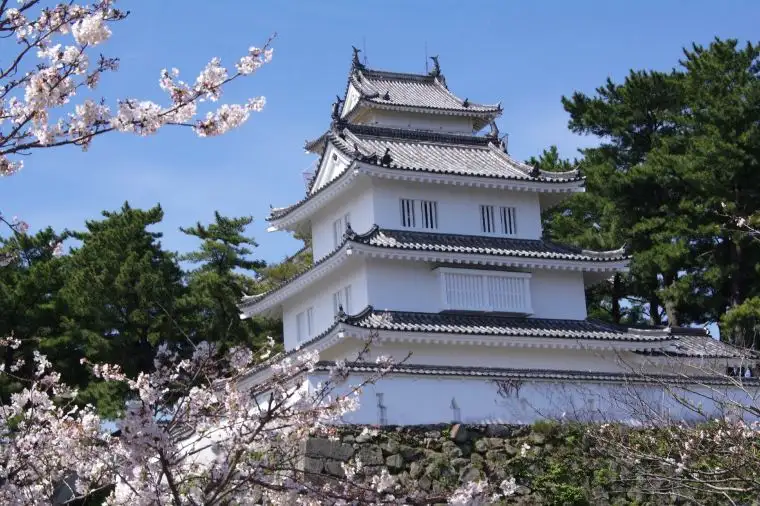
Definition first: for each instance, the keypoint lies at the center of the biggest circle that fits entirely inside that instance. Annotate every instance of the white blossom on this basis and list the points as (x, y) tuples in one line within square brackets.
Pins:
[(91, 30), (470, 494), (143, 117), (210, 80), (508, 487), (383, 482)]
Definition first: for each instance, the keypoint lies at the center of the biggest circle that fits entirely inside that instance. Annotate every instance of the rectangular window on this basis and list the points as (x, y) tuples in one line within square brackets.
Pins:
[(407, 213), (305, 324), (339, 229), (419, 213), (508, 217), (429, 213), (487, 221), (342, 298), (506, 292), (507, 220)]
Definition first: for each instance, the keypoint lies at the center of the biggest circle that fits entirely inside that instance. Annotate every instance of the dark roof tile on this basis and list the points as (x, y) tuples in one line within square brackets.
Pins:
[(523, 374), (454, 243), (421, 91), (484, 245), (501, 325)]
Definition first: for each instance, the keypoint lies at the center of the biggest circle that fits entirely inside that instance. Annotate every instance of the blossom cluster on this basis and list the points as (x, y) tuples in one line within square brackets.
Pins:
[(54, 67)]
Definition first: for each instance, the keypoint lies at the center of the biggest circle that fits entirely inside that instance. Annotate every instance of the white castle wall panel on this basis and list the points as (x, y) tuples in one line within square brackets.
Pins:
[(410, 400), (458, 206), (414, 286), (319, 296), (357, 203), (432, 123)]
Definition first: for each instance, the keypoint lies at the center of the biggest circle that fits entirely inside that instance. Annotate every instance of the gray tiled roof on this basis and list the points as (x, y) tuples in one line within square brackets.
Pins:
[(483, 245), (454, 243), (413, 90), (520, 374), (499, 325), (675, 341), (426, 152), (463, 155), (701, 345)]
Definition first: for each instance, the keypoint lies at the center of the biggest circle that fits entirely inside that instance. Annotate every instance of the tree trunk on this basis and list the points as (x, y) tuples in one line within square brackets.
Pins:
[(670, 306), (654, 309), (736, 295), (616, 295)]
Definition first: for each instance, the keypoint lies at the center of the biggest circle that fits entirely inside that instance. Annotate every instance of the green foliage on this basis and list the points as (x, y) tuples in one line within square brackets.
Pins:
[(120, 295), (218, 282), (743, 322), (676, 164), (545, 427), (29, 303)]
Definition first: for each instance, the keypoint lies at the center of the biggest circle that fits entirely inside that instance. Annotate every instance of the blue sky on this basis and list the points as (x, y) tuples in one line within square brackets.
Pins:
[(524, 54)]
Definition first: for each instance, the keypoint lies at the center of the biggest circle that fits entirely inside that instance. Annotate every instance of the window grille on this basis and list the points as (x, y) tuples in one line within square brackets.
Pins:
[(487, 221), (429, 212), (507, 292), (508, 220), (382, 411), (407, 213)]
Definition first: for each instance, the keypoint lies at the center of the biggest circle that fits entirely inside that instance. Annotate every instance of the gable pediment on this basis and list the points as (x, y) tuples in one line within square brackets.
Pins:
[(332, 165)]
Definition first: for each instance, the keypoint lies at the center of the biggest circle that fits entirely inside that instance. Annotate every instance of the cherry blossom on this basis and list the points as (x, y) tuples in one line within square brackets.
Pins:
[(49, 101)]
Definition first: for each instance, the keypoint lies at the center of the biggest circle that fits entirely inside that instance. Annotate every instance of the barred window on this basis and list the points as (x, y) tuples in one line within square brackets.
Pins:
[(419, 213), (508, 220), (487, 221)]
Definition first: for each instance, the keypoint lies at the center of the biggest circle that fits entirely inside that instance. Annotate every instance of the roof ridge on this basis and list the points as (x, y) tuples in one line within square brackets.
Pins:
[(392, 74), (421, 135)]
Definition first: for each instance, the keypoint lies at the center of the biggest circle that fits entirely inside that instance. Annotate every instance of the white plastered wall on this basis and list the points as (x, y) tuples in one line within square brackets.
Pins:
[(491, 356), (411, 400), (558, 294), (407, 120), (458, 206), (357, 201), (319, 296), (415, 286)]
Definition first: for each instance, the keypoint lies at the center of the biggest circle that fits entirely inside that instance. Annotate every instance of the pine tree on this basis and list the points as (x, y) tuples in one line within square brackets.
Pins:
[(630, 119), (216, 286), (713, 163), (120, 292), (29, 302)]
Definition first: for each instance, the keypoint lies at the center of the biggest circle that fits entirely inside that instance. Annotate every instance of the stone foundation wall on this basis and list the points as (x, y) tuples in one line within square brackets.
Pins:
[(550, 463)]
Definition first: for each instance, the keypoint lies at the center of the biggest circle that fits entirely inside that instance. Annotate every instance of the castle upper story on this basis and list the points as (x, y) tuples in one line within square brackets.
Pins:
[(404, 152)]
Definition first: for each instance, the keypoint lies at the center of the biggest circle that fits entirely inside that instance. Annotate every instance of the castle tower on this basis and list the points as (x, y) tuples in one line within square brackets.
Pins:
[(427, 235)]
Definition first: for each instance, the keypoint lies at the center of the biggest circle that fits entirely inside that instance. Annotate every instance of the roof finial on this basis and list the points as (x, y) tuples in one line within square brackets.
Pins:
[(436, 72), (341, 314), (349, 233), (387, 159), (466, 102), (504, 143), (356, 62), (494, 133), (336, 107)]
